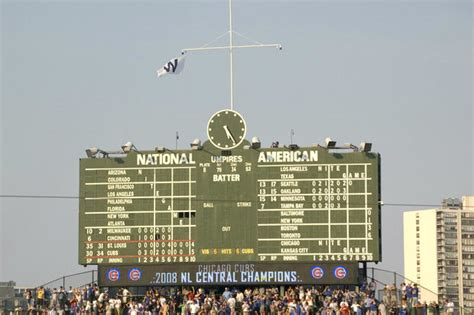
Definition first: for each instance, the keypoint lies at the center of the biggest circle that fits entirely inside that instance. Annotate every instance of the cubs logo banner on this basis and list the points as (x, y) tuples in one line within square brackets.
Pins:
[(134, 274), (229, 273), (317, 272), (340, 272), (113, 274)]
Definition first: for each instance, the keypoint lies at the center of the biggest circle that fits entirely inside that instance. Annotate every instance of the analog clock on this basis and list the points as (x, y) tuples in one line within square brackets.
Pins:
[(226, 129)]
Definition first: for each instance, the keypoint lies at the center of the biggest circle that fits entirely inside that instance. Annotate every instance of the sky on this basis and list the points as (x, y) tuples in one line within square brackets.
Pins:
[(77, 74)]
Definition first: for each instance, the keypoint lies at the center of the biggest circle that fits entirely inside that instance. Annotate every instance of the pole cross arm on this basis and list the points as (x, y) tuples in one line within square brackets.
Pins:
[(279, 46)]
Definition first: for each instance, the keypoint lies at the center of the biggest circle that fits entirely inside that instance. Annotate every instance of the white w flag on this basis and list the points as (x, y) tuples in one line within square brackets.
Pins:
[(174, 66)]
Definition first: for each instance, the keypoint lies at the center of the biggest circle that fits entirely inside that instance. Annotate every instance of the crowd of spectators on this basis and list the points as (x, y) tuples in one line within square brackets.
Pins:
[(297, 300)]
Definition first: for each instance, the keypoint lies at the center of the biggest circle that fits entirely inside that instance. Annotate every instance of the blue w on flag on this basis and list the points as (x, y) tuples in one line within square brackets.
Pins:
[(174, 66)]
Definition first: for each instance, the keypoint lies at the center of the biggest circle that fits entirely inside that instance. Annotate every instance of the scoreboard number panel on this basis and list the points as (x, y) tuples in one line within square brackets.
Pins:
[(319, 210), (230, 203)]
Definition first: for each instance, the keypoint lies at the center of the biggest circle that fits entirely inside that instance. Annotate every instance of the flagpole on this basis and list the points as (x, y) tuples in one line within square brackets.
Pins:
[(230, 48), (231, 57)]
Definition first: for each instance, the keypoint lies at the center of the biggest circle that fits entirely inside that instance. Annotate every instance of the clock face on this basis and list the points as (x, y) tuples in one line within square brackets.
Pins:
[(226, 129)]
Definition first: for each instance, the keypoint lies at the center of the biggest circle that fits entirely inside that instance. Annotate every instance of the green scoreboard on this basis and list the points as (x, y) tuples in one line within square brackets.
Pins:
[(228, 200)]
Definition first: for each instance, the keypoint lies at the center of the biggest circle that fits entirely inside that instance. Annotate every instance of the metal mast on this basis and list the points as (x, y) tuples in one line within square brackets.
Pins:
[(231, 48), (231, 58)]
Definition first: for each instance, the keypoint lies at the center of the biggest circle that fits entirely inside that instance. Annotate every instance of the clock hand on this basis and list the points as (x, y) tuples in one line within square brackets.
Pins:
[(229, 134)]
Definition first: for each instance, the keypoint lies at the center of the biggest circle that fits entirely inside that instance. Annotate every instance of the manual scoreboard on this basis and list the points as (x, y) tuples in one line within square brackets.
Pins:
[(230, 201)]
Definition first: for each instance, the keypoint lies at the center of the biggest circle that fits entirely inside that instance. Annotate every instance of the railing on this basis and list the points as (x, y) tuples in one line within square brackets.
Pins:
[(384, 277), (75, 280)]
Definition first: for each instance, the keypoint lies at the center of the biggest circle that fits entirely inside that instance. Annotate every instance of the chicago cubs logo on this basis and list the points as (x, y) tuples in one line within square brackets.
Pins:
[(113, 274), (317, 272), (340, 272), (134, 274)]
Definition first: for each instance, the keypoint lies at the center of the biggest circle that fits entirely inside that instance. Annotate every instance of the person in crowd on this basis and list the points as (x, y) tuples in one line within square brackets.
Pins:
[(28, 295), (54, 299), (344, 308), (403, 291), (382, 309), (449, 307), (409, 296), (61, 298), (231, 302), (194, 307), (372, 287), (227, 294), (40, 295), (373, 307), (356, 309), (414, 294)]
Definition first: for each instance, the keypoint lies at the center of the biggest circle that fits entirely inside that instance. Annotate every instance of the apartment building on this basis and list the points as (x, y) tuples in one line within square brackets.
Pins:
[(439, 252)]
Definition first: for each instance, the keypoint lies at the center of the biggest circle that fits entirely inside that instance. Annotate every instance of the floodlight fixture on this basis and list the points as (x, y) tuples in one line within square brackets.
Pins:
[(330, 144), (93, 152), (365, 146), (196, 144), (127, 147), (256, 144)]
